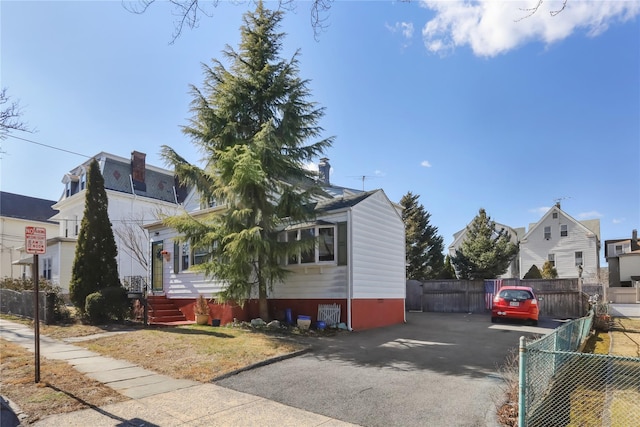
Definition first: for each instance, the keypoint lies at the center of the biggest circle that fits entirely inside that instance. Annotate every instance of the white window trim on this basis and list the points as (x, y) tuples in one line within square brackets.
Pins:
[(316, 231)]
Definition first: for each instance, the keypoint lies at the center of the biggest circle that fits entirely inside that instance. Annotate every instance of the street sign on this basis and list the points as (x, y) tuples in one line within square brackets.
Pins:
[(35, 240)]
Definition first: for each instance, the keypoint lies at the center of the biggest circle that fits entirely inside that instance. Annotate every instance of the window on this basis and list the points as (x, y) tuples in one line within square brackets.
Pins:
[(211, 202), (547, 233), (176, 257), (83, 181), (619, 250), (200, 256), (564, 231), (578, 258), (322, 251), (185, 256), (555, 215), (326, 247), (552, 259), (46, 268)]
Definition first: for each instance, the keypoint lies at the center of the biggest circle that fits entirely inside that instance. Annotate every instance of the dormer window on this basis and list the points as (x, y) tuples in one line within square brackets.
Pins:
[(83, 181)]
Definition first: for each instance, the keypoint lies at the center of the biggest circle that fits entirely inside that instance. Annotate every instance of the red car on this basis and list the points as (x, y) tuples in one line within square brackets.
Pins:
[(515, 302)]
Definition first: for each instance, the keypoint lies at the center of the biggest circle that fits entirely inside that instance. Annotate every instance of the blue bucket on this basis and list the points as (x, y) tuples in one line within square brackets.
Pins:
[(321, 325)]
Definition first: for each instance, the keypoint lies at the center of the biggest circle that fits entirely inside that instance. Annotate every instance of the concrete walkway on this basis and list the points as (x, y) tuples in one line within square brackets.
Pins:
[(158, 400)]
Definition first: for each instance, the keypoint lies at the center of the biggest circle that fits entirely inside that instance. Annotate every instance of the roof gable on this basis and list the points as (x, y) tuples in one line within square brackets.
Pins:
[(578, 224)]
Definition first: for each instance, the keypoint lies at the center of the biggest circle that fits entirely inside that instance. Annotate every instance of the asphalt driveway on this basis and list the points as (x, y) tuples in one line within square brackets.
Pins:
[(438, 369)]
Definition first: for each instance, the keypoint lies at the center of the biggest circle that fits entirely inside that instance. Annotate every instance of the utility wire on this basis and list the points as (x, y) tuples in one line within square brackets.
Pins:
[(49, 146)]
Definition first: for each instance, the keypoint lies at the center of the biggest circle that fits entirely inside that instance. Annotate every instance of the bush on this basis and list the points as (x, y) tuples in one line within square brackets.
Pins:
[(95, 308), (116, 301), (106, 305), (533, 273)]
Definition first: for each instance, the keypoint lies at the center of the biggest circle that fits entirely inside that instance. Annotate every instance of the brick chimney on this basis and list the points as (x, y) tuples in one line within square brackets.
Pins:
[(324, 168), (634, 240), (138, 168)]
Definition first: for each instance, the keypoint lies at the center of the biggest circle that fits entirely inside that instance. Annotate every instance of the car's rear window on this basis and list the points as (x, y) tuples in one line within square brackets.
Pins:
[(515, 294)]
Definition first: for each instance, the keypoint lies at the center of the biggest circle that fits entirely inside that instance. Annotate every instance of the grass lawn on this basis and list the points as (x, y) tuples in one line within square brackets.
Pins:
[(199, 353)]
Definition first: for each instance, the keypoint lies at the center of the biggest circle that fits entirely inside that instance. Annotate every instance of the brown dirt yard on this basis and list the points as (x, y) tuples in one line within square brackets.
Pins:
[(199, 353)]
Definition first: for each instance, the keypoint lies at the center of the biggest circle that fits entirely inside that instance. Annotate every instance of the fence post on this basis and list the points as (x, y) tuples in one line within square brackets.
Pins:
[(522, 377)]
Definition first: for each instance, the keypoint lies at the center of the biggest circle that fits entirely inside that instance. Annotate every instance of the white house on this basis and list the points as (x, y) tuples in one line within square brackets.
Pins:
[(16, 213), (572, 246), (358, 264), (623, 258), (136, 193)]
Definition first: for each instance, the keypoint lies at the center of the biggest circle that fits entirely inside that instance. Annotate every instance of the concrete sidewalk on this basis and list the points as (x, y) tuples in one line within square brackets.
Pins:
[(158, 400)]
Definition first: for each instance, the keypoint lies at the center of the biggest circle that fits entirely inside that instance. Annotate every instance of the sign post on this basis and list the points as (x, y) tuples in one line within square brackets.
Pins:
[(35, 239)]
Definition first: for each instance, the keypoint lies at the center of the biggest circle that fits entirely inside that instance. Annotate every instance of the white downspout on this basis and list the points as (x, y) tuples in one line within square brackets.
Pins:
[(350, 267)]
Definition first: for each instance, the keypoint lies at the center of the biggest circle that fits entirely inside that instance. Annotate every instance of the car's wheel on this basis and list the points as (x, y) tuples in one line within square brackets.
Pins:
[(494, 320)]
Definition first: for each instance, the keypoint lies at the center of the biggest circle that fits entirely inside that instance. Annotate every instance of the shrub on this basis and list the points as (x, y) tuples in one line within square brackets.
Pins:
[(95, 308), (116, 301), (106, 305), (533, 273)]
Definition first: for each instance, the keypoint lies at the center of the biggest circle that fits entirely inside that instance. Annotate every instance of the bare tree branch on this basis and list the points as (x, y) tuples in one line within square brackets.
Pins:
[(10, 116), (533, 10), (188, 12), (133, 237)]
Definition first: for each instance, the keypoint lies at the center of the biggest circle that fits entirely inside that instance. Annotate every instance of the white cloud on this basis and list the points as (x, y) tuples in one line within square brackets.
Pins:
[(541, 210), (590, 215), (311, 166), (425, 163), (379, 173), (406, 28), (491, 27), (618, 220)]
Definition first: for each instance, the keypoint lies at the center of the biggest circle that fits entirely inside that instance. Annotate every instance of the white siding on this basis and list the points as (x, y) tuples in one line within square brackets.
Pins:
[(535, 249), (377, 245), (629, 266), (315, 281)]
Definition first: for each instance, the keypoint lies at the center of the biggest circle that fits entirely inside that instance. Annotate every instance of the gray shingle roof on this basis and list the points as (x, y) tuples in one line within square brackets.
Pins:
[(25, 207)]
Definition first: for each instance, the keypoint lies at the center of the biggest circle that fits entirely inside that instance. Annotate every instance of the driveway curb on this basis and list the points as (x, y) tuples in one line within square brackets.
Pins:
[(262, 363)]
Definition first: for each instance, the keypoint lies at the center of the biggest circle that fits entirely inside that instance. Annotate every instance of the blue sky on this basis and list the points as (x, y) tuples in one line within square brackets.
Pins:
[(465, 104)]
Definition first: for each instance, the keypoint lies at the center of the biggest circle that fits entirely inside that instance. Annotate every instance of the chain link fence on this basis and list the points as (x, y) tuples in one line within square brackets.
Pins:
[(560, 386)]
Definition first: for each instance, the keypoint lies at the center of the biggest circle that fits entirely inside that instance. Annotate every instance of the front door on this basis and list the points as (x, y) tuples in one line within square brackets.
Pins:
[(156, 266)]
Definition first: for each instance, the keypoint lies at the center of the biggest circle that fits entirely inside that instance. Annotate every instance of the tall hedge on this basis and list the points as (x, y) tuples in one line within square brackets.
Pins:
[(95, 266)]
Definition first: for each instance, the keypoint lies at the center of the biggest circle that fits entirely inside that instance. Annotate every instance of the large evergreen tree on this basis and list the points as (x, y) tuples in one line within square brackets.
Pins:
[(485, 252), (253, 122), (95, 267), (424, 247)]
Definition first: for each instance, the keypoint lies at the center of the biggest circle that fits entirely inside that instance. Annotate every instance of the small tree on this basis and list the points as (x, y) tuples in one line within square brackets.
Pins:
[(533, 273), (95, 266), (549, 271), (486, 252), (423, 246), (447, 272)]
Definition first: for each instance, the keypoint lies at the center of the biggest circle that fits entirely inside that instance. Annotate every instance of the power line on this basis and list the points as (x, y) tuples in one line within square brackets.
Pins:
[(49, 146)]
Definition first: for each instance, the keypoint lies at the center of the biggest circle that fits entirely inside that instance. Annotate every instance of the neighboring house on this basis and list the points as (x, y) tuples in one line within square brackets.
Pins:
[(515, 234), (623, 257), (572, 246), (16, 213), (358, 264), (136, 193)]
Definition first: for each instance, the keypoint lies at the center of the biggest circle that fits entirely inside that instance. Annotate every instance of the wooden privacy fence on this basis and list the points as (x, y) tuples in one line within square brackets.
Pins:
[(559, 297)]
